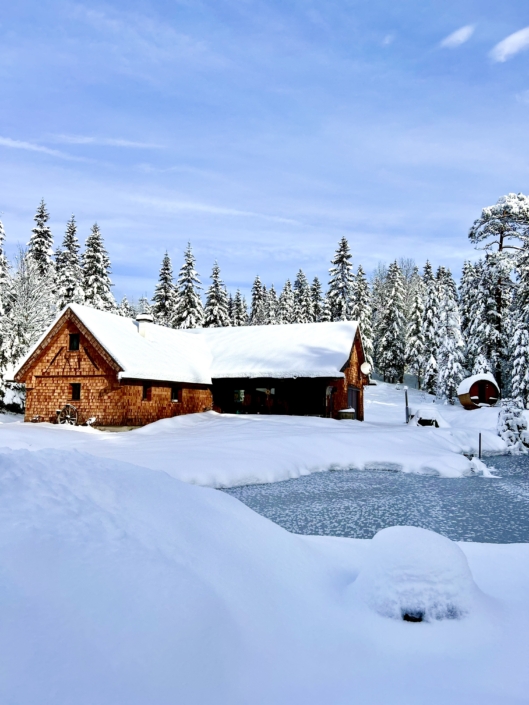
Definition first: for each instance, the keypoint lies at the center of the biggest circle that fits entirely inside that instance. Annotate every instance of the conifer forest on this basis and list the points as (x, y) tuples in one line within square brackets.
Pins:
[(413, 319)]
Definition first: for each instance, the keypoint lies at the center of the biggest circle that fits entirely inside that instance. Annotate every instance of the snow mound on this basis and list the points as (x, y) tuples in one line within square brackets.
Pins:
[(430, 414), (415, 574)]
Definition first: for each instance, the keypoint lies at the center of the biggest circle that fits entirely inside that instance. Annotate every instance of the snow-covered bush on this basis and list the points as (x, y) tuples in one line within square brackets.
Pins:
[(511, 425), (415, 575)]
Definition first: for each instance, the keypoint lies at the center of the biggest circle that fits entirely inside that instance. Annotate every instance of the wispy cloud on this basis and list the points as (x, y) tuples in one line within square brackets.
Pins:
[(104, 141), (31, 147), (460, 36), (511, 45), (192, 206)]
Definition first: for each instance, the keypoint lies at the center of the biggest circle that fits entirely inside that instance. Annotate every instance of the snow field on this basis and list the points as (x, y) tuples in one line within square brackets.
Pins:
[(229, 450), (120, 585)]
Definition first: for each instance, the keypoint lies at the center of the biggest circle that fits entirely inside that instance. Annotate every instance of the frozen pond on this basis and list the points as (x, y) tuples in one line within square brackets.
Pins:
[(357, 503)]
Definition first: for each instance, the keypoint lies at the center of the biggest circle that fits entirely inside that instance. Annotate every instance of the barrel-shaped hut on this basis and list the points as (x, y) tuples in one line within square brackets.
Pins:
[(478, 390)]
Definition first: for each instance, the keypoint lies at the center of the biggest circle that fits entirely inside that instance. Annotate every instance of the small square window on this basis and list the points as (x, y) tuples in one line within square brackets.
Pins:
[(147, 392), (74, 341), (76, 391), (176, 393)]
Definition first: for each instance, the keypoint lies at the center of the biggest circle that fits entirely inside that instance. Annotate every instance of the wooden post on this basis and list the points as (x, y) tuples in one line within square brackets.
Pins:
[(479, 448), (407, 407)]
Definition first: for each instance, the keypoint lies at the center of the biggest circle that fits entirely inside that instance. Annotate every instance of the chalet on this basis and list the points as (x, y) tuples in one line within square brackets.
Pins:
[(126, 372)]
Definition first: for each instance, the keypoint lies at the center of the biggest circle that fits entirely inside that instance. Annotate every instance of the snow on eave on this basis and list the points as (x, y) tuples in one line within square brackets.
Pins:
[(464, 387), (275, 374)]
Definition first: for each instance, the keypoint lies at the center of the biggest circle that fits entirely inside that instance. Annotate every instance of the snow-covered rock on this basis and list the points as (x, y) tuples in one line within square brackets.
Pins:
[(415, 573)]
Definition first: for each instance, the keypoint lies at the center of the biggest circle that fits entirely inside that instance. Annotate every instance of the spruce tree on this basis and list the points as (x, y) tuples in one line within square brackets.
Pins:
[(450, 356), (317, 299), (378, 288), (326, 311), (125, 309), (519, 347), (340, 291), (258, 314), (414, 334), (40, 246), (96, 273), (144, 305), (216, 310), (429, 328), (189, 312), (4, 264), (4, 295), (68, 269), (391, 327), (286, 304), (240, 311), (362, 312), (271, 306), (303, 311), (468, 301), (164, 298)]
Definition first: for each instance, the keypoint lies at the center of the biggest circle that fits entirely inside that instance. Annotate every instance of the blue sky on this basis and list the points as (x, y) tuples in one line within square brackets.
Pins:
[(262, 131)]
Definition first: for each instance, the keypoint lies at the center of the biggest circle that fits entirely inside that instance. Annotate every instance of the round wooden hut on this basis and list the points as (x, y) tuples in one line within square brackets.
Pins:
[(478, 390)]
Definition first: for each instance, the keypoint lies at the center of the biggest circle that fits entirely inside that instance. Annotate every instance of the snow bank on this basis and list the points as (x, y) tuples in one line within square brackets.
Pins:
[(120, 585), (415, 573)]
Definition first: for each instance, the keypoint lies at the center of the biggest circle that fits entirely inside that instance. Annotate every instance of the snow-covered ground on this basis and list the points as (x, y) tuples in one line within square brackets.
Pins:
[(121, 584), (124, 585), (228, 450)]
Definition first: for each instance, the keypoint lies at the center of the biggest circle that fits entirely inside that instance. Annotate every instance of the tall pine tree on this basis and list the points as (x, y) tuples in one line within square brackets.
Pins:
[(96, 273), (340, 293), (258, 314), (429, 329), (317, 299), (216, 310), (68, 269), (240, 311), (414, 333), (286, 304), (450, 354), (362, 312), (391, 327), (519, 346), (40, 245), (164, 298), (303, 310), (189, 311)]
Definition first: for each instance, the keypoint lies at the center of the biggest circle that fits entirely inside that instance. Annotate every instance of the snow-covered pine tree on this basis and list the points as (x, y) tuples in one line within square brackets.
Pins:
[(316, 293), (467, 295), (125, 309), (499, 229), (303, 311), (4, 264), (216, 310), (230, 308), (361, 312), (68, 269), (519, 347), (240, 311), (189, 311), (96, 273), (4, 293), (144, 305), (340, 290), (391, 328), (377, 302), (164, 298), (450, 354), (446, 282), (271, 306), (429, 328), (326, 311), (40, 245), (511, 425), (31, 307), (258, 313), (414, 334), (286, 304)]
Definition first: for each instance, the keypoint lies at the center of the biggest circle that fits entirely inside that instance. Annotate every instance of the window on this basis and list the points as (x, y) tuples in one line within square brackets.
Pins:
[(74, 341), (147, 392), (76, 391), (176, 393)]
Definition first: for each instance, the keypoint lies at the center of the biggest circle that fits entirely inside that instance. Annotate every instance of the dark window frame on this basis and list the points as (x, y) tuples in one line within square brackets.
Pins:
[(147, 392), (75, 390), (176, 394), (75, 342)]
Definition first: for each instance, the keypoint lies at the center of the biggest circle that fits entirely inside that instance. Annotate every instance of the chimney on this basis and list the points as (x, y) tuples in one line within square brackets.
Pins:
[(144, 320)]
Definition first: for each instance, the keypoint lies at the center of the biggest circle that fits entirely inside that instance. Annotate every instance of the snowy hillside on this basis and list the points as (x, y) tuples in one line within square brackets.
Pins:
[(123, 585)]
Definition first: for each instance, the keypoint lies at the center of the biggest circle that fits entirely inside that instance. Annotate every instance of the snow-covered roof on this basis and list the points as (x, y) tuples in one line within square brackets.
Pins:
[(464, 387), (198, 355), (164, 354), (298, 350)]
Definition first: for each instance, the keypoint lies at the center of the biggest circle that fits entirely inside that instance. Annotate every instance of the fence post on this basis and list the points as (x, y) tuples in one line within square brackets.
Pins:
[(407, 407), (479, 448)]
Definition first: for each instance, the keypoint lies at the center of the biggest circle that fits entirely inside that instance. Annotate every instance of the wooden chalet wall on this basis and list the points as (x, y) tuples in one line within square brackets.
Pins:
[(353, 378), (54, 368), (301, 396)]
